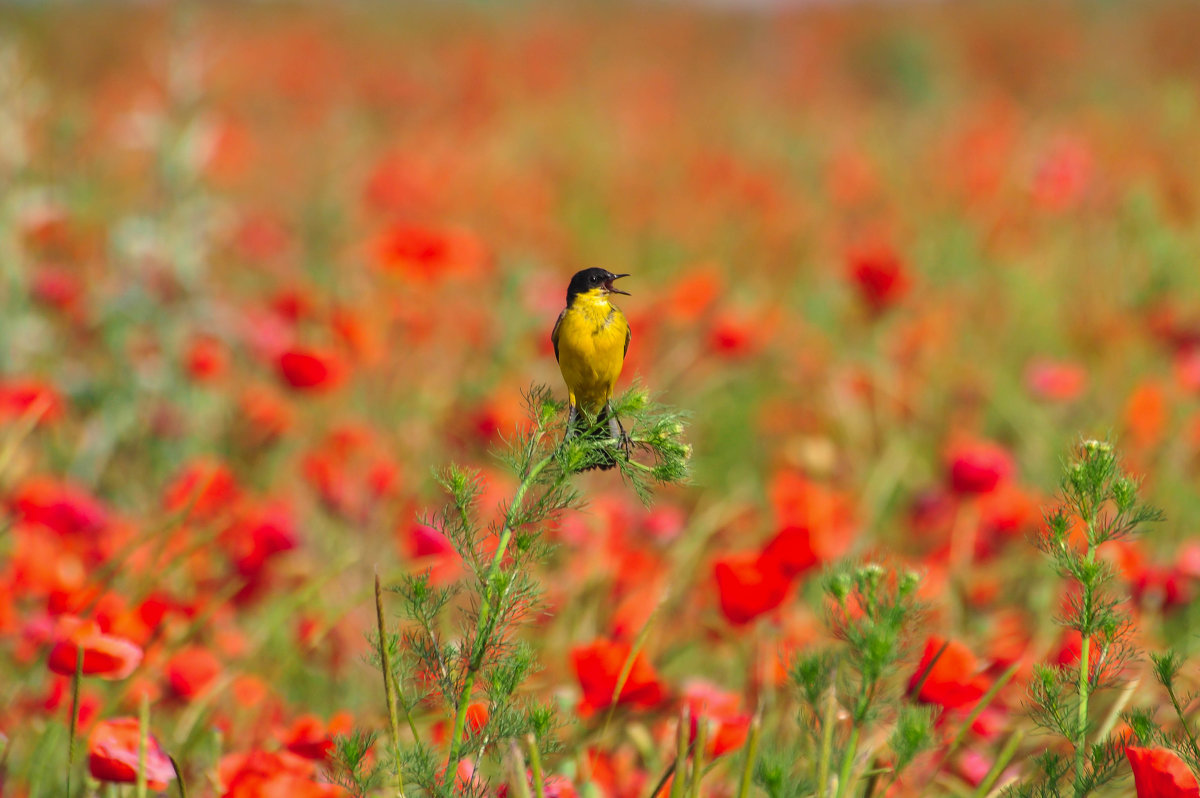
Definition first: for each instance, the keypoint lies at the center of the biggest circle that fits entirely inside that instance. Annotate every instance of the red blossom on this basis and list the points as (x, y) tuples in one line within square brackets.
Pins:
[(1055, 381), (308, 369), (879, 275), (598, 666), (1160, 773), (105, 656), (192, 671), (428, 254), (975, 467), (113, 754), (748, 585), (954, 680), (23, 397)]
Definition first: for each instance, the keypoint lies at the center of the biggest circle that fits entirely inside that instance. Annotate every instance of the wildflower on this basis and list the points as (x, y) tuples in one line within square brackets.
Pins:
[(729, 725), (312, 738), (192, 671), (1160, 773), (310, 369), (105, 656), (1055, 381), (976, 467), (258, 774), (879, 276), (205, 488), (749, 585), (64, 508), (113, 754), (598, 666), (953, 681), (428, 254), (206, 359), (22, 396)]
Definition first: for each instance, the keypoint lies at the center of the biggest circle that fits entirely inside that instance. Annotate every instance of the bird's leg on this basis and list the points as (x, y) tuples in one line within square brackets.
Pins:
[(616, 431), (572, 413)]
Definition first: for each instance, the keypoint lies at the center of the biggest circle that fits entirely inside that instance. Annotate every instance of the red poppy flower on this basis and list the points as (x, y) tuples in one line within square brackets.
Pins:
[(1160, 773), (975, 467), (62, 507), (428, 253), (729, 725), (817, 523), (19, 397), (57, 287), (310, 369), (1063, 176), (262, 774), (206, 359), (257, 536), (105, 656), (312, 738), (206, 488), (954, 680), (879, 275), (113, 754), (1053, 381), (748, 585), (598, 665), (192, 671), (552, 787)]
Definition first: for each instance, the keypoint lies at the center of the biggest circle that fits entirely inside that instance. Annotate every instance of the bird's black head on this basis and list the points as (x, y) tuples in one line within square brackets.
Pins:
[(591, 279)]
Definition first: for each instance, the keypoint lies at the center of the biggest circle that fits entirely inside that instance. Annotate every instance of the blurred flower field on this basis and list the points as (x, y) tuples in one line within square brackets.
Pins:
[(266, 269)]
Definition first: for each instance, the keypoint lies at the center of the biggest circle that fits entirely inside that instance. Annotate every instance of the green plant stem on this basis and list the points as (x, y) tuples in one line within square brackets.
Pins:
[(143, 739), (483, 626), (698, 755), (535, 765), (1085, 646), (847, 762), (681, 752), (520, 780), (75, 680), (389, 689), (178, 777), (751, 755), (1002, 761), (1187, 729), (826, 743)]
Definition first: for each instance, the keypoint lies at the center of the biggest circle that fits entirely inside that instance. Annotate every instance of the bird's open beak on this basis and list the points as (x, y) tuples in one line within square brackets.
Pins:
[(608, 286)]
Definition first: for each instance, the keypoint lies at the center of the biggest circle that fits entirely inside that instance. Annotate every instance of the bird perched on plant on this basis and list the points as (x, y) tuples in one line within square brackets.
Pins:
[(590, 340)]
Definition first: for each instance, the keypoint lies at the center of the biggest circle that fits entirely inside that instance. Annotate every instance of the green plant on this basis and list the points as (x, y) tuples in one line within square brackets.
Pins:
[(873, 611), (1098, 503), (458, 645)]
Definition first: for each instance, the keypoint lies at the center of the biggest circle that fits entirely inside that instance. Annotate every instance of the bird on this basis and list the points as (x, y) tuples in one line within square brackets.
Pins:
[(591, 339)]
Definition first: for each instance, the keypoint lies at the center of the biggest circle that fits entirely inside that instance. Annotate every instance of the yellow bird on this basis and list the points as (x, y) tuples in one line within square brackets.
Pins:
[(590, 340)]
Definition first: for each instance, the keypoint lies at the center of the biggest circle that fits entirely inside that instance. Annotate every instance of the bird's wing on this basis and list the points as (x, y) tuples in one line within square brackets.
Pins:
[(628, 336), (554, 333)]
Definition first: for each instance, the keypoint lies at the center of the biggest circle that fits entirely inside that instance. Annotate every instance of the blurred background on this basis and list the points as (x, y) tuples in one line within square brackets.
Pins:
[(296, 256)]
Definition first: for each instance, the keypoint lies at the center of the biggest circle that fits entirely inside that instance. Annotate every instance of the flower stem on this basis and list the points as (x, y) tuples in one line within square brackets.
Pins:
[(389, 689), (75, 680), (143, 738), (847, 762)]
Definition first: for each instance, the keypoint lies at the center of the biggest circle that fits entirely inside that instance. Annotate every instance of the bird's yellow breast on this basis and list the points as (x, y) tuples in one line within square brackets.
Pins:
[(591, 348)]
